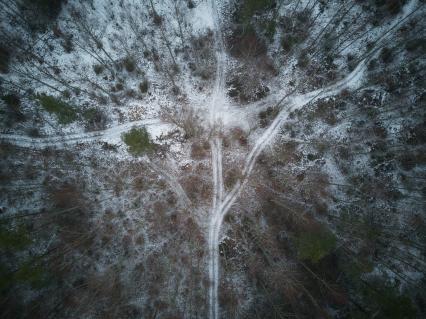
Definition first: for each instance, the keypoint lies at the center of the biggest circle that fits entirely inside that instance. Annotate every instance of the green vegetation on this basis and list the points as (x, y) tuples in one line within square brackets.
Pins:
[(303, 60), (368, 230), (143, 86), (12, 101), (32, 274), (391, 6), (66, 94), (190, 4), (28, 273), (119, 87), (40, 13), (288, 41), (294, 30), (250, 7), (315, 244), (12, 241), (95, 119), (386, 55), (4, 59), (394, 306), (66, 113), (245, 42), (90, 114), (98, 68), (244, 13), (13, 104), (270, 29), (129, 64), (16, 239), (388, 300), (49, 5), (138, 141), (416, 44), (5, 279)]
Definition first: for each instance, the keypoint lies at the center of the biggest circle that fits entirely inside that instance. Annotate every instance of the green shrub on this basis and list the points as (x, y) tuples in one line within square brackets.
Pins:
[(4, 59), (31, 274), (95, 119), (16, 266), (90, 114), (190, 4), (395, 307), (386, 55), (65, 113), (33, 132), (303, 60), (245, 42), (270, 29), (5, 279), (250, 7), (119, 87), (416, 44), (138, 141), (315, 244), (98, 68), (391, 6), (13, 103), (41, 13), (67, 44), (388, 301), (158, 20), (13, 239), (28, 273), (288, 41), (66, 94), (143, 86), (49, 7), (129, 64)]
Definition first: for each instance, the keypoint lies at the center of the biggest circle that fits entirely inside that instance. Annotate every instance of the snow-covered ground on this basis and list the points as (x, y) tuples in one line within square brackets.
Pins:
[(162, 51)]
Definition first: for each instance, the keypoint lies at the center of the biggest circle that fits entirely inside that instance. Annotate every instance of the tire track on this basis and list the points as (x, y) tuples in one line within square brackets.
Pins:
[(217, 174), (72, 139), (352, 81)]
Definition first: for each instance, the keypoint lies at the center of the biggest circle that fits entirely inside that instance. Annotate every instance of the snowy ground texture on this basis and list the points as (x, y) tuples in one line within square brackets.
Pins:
[(285, 173)]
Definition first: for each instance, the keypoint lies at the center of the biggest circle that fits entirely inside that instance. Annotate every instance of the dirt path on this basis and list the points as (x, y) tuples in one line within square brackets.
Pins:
[(63, 141), (214, 226), (221, 201), (221, 204), (294, 102), (217, 101)]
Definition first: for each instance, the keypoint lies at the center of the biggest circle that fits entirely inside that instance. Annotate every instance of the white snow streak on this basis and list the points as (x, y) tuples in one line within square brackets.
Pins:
[(107, 135), (218, 101), (221, 202)]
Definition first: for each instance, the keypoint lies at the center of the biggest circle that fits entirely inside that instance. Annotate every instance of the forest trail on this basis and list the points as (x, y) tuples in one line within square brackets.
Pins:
[(217, 101), (222, 201), (293, 102), (221, 204), (59, 141)]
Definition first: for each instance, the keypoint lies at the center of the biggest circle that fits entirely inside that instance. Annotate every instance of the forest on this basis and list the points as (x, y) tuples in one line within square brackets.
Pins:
[(184, 159)]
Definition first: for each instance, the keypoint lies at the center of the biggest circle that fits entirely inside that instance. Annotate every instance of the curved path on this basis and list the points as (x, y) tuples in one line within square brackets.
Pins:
[(223, 202)]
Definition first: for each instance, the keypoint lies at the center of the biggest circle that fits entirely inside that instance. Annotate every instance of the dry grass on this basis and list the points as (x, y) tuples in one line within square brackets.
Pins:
[(199, 150), (185, 118)]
